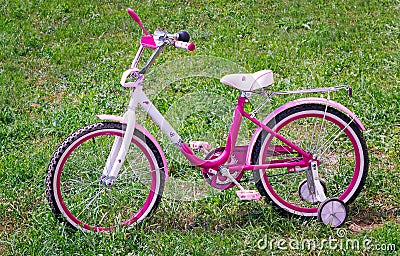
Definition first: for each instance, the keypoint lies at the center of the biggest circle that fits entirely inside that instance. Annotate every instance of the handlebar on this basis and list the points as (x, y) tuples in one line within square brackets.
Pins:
[(179, 40), (150, 42), (184, 45), (157, 42), (182, 41)]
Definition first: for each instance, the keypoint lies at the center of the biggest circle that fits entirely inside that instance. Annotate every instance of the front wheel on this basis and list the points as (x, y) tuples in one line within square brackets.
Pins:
[(331, 137), (73, 185)]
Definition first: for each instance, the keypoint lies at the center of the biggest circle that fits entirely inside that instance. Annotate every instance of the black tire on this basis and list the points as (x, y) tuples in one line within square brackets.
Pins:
[(73, 186), (344, 161)]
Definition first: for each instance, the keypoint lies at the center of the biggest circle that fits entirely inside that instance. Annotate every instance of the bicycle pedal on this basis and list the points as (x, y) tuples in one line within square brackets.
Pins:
[(248, 195)]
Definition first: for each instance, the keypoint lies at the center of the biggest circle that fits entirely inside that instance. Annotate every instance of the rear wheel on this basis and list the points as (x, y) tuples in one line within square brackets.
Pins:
[(76, 194), (331, 137)]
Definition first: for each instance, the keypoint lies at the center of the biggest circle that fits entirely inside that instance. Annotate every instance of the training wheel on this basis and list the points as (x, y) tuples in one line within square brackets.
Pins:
[(332, 212), (305, 194)]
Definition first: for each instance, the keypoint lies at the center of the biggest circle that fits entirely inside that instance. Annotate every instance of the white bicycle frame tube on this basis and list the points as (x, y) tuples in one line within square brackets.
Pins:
[(137, 97), (122, 147), (112, 156)]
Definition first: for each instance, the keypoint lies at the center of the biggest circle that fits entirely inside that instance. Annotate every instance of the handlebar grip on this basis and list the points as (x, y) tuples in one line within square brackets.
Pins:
[(184, 45)]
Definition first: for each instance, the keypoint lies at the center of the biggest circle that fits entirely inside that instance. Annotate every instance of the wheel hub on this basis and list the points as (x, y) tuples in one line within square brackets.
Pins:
[(107, 181)]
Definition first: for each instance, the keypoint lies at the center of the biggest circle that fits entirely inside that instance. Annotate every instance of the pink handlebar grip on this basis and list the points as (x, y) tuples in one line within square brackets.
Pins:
[(184, 45), (136, 18)]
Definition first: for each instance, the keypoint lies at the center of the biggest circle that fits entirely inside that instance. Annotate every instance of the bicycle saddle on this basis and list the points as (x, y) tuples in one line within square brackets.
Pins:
[(249, 82)]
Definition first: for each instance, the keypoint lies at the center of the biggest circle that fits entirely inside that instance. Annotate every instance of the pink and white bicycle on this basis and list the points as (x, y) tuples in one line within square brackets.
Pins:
[(308, 156)]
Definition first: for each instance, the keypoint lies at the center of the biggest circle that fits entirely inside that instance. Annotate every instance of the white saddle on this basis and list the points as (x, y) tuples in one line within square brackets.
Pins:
[(249, 82)]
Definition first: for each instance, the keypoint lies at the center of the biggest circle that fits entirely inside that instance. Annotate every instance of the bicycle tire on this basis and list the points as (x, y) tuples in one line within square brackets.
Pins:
[(73, 186)]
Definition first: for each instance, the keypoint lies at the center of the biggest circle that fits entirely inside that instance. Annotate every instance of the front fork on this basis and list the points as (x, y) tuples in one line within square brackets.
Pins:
[(121, 145), (314, 184)]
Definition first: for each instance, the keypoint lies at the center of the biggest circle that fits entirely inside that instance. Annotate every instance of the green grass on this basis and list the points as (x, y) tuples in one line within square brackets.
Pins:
[(60, 65)]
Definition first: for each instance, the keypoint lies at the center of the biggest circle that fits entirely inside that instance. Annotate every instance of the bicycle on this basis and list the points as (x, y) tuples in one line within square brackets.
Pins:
[(308, 156)]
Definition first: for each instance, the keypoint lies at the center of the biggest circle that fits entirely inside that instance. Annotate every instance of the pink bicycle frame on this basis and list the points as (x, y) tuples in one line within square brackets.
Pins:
[(138, 97), (231, 141)]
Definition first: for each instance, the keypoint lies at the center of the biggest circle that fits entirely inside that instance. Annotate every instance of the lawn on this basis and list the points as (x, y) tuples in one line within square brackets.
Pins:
[(60, 65)]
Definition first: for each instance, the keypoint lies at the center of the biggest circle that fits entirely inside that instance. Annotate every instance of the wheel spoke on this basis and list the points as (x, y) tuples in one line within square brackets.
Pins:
[(324, 147), (321, 128), (90, 200), (83, 186)]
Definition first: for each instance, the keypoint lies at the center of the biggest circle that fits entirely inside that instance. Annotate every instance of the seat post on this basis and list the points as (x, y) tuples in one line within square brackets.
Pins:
[(246, 94)]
